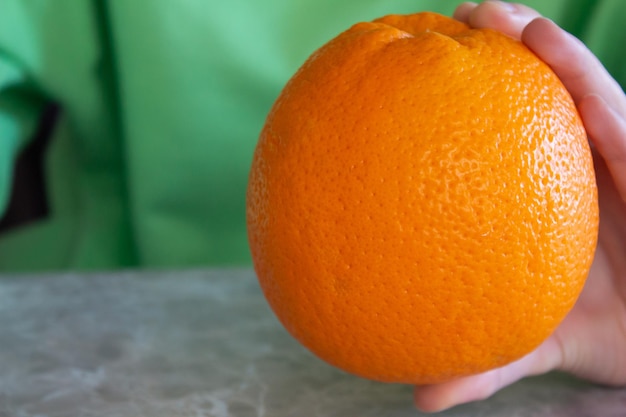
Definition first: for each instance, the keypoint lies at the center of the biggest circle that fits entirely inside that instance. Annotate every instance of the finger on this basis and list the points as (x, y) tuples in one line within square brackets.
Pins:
[(577, 67), (463, 10), (607, 130), (508, 18), (592, 335), (439, 397)]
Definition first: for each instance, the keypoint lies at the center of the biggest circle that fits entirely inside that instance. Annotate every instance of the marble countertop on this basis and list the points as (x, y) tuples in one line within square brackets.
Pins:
[(204, 343)]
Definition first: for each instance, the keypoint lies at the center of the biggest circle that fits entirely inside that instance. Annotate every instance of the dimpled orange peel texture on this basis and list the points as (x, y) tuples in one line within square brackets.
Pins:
[(422, 203)]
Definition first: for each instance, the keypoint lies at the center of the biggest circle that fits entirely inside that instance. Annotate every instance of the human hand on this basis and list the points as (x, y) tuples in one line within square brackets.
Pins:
[(591, 342)]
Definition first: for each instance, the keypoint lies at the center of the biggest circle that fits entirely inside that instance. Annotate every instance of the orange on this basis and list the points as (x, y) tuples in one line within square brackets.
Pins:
[(422, 202)]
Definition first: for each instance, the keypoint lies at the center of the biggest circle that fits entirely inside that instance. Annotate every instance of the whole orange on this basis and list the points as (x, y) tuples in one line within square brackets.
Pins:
[(422, 202)]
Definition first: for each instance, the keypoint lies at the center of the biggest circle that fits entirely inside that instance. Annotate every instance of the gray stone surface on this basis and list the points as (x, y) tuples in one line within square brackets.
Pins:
[(203, 343)]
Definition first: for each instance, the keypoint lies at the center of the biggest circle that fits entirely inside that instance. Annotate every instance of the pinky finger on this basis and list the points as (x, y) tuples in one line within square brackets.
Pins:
[(433, 398), (607, 131)]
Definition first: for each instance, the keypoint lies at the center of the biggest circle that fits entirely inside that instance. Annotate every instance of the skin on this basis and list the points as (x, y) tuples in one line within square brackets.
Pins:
[(591, 342)]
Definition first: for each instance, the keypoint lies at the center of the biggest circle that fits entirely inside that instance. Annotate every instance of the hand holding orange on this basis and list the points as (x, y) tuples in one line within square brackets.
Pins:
[(422, 201)]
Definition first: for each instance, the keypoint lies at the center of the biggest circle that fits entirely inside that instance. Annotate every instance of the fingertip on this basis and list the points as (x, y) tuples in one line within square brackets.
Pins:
[(439, 397), (427, 400), (590, 106), (422, 401), (495, 15), (542, 21), (603, 125), (508, 18), (607, 131), (463, 11), (540, 31)]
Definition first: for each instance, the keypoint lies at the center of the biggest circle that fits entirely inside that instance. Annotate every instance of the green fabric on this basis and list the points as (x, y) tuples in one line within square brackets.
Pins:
[(161, 106), (18, 118)]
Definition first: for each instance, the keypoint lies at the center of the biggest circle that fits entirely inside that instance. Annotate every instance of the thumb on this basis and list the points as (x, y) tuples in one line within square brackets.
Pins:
[(431, 398)]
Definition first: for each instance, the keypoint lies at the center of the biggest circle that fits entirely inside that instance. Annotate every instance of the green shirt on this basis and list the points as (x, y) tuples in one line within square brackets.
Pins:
[(161, 103)]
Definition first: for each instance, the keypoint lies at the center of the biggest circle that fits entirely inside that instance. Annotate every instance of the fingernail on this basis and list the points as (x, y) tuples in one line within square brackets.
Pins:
[(509, 7)]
